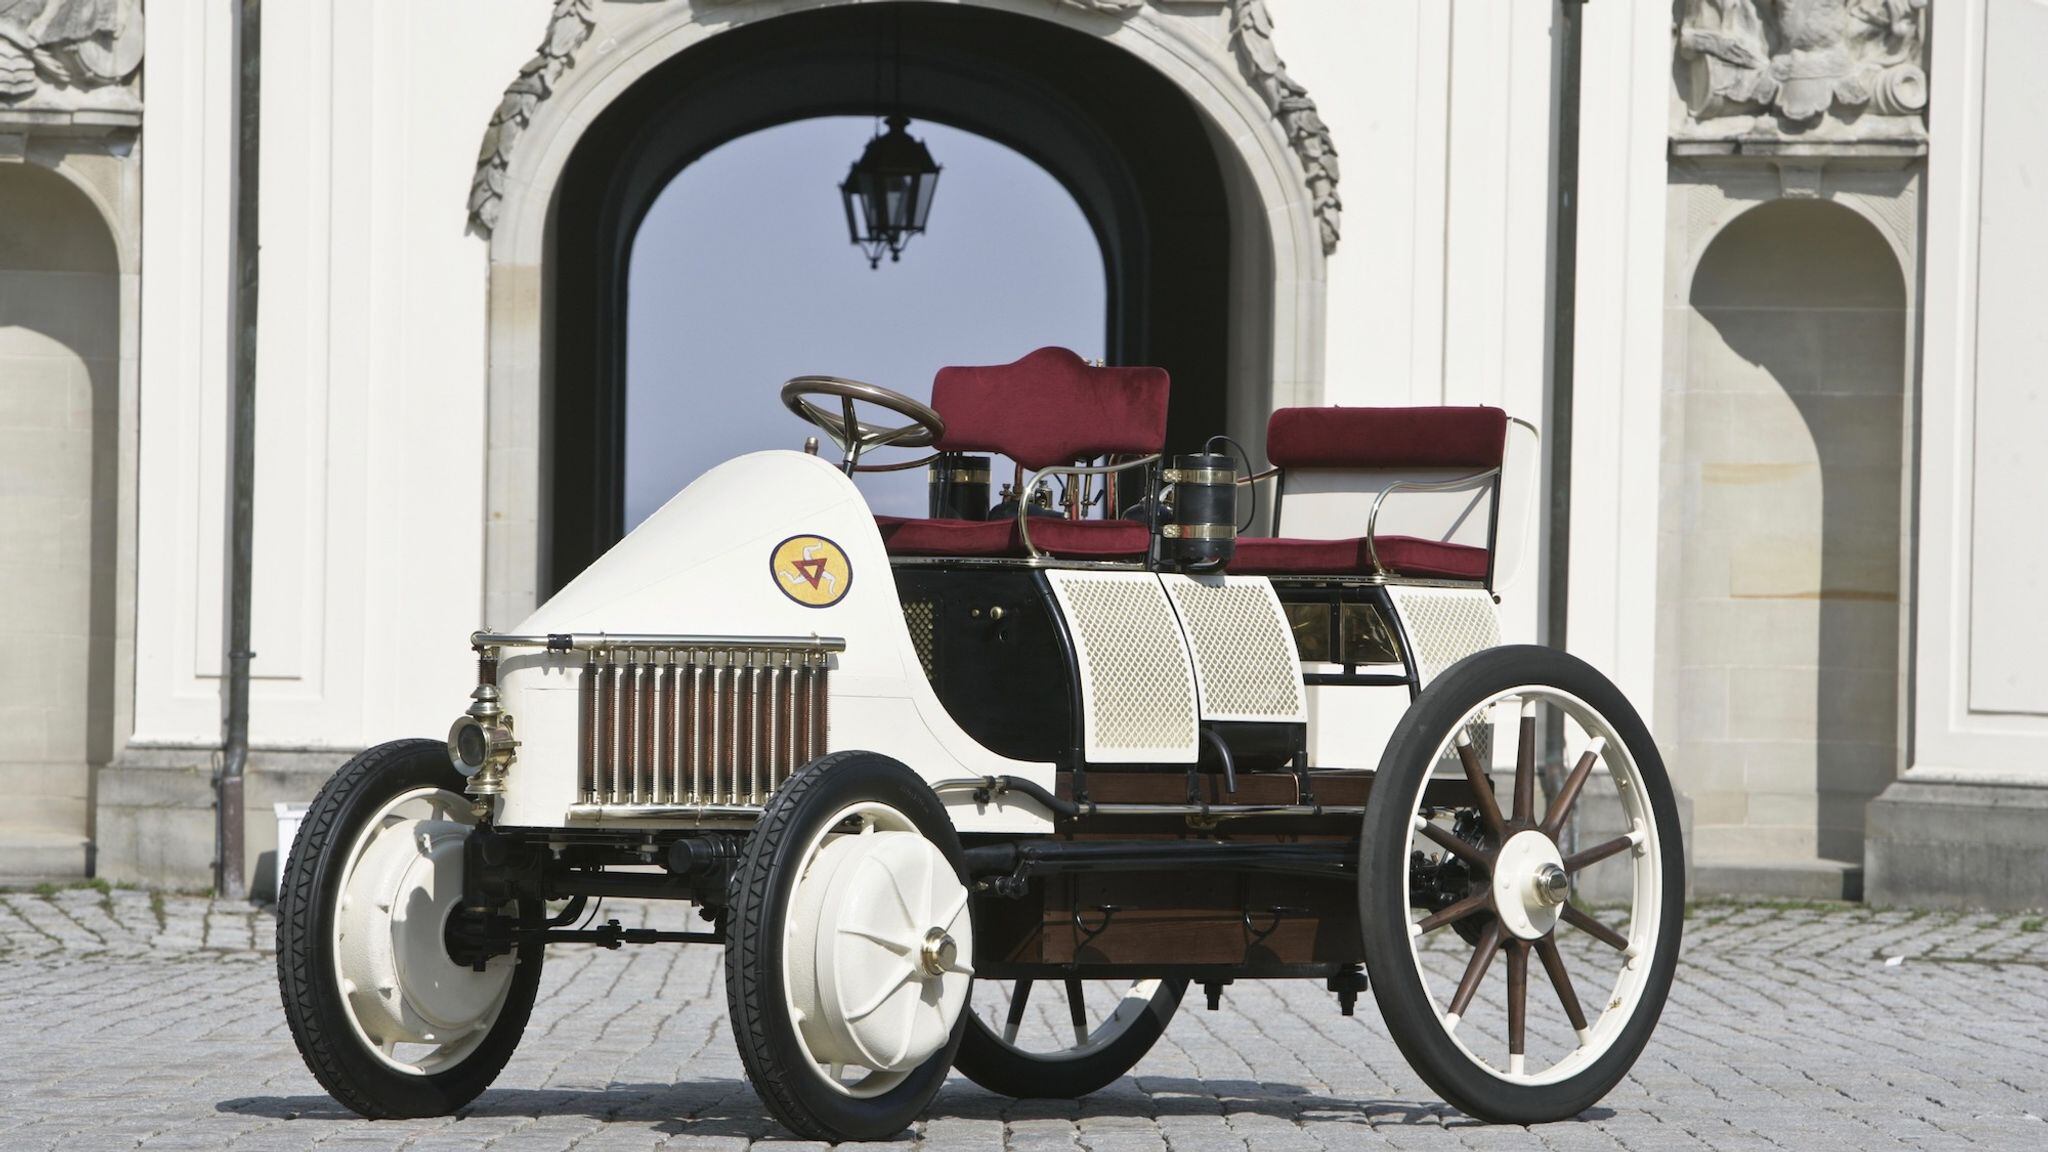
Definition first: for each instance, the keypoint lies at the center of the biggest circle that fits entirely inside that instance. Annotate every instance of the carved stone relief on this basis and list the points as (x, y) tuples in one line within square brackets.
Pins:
[(569, 26), (1829, 72), (1251, 37), (69, 55), (1251, 34)]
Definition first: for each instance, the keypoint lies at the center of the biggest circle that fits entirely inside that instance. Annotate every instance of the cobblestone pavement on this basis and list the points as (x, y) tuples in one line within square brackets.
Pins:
[(128, 1020)]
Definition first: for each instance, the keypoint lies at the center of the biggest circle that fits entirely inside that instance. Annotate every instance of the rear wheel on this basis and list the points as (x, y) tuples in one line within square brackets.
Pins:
[(1060, 1039), (386, 1019), (1591, 892), (848, 954)]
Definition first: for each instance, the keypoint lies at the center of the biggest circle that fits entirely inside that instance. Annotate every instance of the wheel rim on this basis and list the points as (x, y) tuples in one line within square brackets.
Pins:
[(1521, 892), (1078, 1019), (408, 1002), (877, 950)]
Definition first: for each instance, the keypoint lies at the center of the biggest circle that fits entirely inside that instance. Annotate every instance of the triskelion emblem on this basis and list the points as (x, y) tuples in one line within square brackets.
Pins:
[(811, 570)]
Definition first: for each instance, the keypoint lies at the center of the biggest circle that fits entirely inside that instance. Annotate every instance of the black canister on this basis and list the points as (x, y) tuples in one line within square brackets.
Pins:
[(1203, 533), (959, 487)]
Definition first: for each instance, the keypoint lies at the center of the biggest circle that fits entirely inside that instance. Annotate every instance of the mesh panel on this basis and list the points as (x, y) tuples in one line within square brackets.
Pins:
[(1444, 625), (1244, 655), (919, 616), (1137, 688)]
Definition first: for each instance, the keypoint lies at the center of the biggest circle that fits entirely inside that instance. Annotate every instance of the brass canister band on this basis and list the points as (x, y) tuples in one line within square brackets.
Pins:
[(1199, 476), (960, 475), (1199, 531)]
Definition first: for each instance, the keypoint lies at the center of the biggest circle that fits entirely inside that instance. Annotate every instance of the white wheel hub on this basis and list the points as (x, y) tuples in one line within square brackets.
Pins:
[(1527, 879), (403, 881), (878, 948)]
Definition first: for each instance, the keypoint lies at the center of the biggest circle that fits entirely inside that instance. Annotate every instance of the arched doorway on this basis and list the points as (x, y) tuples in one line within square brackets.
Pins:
[(1790, 518), (1201, 165), (60, 360), (1010, 264), (1132, 150)]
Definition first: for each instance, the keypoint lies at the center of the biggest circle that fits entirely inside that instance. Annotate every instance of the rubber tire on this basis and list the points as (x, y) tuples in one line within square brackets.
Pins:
[(1383, 865), (986, 1060), (763, 885), (307, 892)]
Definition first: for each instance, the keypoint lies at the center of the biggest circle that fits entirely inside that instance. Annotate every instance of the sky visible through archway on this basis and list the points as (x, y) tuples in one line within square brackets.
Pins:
[(742, 276)]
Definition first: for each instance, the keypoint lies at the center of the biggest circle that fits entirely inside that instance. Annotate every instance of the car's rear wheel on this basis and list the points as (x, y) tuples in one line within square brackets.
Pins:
[(848, 950), (1588, 902), (1062, 1039), (386, 1019)]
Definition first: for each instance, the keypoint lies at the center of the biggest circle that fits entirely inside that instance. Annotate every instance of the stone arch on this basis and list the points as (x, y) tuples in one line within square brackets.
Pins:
[(64, 356), (1787, 409), (1276, 235)]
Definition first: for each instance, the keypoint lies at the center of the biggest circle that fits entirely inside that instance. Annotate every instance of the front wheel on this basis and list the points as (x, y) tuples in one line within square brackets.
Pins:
[(849, 949), (386, 1019), (1516, 884)]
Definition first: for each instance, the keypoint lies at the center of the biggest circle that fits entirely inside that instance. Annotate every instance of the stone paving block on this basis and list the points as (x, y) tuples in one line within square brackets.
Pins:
[(129, 1020)]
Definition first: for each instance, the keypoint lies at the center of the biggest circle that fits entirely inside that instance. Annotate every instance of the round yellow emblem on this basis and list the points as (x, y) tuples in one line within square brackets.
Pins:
[(811, 570)]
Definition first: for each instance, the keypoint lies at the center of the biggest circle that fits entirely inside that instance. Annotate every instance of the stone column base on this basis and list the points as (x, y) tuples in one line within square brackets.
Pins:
[(155, 813), (1938, 844)]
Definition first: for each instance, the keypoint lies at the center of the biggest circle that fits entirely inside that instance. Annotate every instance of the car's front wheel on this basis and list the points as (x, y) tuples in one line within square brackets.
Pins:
[(387, 1020), (849, 949)]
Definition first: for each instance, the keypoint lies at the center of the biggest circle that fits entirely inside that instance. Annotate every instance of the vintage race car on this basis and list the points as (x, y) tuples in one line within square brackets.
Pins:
[(989, 790)]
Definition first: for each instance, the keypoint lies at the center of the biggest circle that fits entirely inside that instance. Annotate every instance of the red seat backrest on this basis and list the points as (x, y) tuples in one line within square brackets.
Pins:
[(1385, 438), (1052, 407)]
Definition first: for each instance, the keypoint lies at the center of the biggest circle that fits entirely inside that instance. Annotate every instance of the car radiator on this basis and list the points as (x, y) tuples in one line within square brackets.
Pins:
[(705, 728)]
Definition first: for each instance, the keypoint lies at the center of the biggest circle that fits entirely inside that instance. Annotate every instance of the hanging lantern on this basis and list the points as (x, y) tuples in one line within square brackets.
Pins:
[(888, 192)]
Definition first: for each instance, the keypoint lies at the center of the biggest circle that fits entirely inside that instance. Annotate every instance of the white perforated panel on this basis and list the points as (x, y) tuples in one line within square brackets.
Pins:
[(1444, 625), (1137, 682), (1246, 666)]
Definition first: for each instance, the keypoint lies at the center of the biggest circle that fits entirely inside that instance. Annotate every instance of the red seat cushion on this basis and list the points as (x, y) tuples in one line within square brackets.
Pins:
[(1072, 539), (1403, 556), (1387, 437), (1051, 407)]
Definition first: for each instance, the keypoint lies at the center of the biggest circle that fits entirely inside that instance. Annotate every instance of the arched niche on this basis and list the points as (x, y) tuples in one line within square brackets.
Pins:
[(1787, 415), (1215, 253), (62, 363)]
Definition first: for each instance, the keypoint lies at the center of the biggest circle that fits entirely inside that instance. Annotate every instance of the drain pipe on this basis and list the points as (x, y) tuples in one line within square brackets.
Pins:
[(1564, 263), (1564, 311), (229, 859)]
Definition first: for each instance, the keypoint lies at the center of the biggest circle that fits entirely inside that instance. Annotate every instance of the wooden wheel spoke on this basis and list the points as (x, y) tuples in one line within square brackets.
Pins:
[(1518, 1002), (1482, 959), (1450, 842), (1077, 1011), (1015, 1020), (1568, 795), (1525, 769), (1469, 906), (1597, 853), (1553, 965), (1594, 928), (1482, 787)]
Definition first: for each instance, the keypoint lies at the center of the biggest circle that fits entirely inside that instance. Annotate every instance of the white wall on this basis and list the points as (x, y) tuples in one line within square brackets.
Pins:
[(370, 407), (1441, 112), (1982, 693), (372, 363)]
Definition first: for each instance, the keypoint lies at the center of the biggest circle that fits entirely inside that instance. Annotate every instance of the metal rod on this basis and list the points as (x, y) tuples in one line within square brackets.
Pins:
[(696, 729), (591, 749), (228, 879), (583, 641)]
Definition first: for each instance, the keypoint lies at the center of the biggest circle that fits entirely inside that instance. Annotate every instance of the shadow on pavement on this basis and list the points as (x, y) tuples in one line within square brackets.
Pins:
[(727, 1107)]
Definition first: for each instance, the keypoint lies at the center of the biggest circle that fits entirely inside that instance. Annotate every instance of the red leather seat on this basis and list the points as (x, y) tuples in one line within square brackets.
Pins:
[(1402, 555), (1048, 408), (1369, 440), (1071, 539)]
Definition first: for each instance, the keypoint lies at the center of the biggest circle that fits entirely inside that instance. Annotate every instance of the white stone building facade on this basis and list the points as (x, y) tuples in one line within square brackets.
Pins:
[(1805, 528)]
